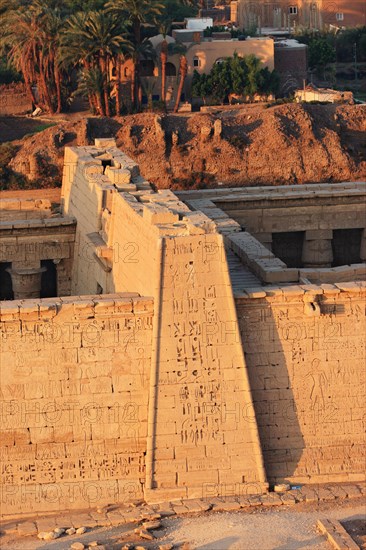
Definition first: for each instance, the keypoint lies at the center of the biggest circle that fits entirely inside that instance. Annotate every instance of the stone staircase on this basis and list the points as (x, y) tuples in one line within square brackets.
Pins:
[(240, 275)]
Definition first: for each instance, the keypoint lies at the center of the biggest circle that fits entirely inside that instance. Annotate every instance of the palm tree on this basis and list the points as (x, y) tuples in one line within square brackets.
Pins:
[(52, 24), (164, 27), (31, 37), (20, 39), (183, 69), (91, 84), (163, 61), (139, 14), (93, 40)]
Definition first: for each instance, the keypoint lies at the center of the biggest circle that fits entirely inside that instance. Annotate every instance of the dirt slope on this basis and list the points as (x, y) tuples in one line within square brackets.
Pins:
[(279, 145)]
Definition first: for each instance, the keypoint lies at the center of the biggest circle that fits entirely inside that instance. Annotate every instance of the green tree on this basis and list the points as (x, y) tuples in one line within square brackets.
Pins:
[(92, 85), (321, 52), (20, 39), (242, 76), (201, 86)]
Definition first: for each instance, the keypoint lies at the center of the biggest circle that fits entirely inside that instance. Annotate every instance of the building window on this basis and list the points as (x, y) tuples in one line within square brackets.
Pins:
[(277, 10), (196, 62), (339, 16), (292, 10)]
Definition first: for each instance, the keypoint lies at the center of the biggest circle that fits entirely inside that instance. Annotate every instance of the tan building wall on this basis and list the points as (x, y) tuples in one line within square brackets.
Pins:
[(343, 13), (74, 380), (201, 57), (208, 53), (283, 14), (331, 96), (197, 358)]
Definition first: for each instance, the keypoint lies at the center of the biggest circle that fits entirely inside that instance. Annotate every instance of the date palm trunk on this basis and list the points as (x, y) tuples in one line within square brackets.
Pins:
[(118, 85), (183, 69), (58, 88), (163, 59), (104, 69)]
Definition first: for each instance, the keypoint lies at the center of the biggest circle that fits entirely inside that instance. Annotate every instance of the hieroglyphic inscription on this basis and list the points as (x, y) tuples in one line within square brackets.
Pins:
[(201, 379), (73, 402)]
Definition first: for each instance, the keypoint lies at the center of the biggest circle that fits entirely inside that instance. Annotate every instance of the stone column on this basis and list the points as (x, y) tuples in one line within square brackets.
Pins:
[(363, 246), (26, 282), (317, 248)]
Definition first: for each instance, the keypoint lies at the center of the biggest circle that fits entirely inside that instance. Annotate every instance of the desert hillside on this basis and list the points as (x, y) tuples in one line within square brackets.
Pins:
[(282, 144)]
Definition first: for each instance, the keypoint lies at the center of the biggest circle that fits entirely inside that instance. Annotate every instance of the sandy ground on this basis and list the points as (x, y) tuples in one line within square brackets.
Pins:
[(280, 529), (265, 529)]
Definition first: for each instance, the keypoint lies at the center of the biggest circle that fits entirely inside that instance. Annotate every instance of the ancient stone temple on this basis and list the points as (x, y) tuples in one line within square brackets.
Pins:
[(166, 345)]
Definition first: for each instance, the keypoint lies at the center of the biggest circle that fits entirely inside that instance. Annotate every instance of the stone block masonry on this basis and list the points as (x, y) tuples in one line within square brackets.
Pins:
[(74, 393), (308, 380), (177, 369), (158, 247)]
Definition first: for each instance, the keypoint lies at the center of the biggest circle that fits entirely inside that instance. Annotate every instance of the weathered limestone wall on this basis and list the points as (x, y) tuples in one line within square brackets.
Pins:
[(82, 197), (134, 244), (24, 209), (107, 398), (74, 392), (203, 439), (307, 374), (199, 438)]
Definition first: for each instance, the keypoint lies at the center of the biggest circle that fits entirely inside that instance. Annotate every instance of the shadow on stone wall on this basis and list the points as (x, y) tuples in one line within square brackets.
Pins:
[(270, 380)]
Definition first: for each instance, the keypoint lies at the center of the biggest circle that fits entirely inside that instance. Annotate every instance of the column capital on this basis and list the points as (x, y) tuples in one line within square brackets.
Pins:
[(26, 282)]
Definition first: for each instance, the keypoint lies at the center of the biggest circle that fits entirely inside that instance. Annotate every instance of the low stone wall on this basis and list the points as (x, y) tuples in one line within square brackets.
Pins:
[(74, 375), (24, 209)]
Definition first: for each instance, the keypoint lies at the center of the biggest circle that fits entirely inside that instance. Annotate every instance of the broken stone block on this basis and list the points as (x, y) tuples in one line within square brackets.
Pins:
[(175, 137), (152, 524), (205, 132), (118, 175), (218, 128), (105, 142), (27, 528)]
